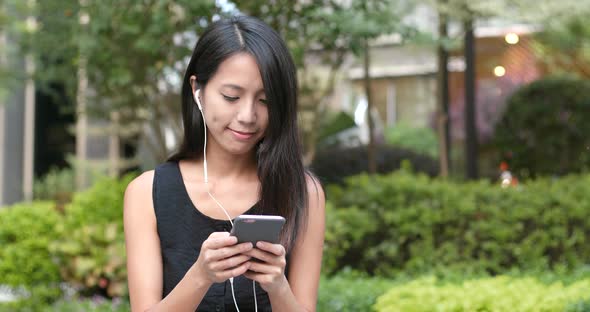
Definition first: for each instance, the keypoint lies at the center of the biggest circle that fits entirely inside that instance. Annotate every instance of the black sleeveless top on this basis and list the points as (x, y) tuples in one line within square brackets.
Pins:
[(182, 230)]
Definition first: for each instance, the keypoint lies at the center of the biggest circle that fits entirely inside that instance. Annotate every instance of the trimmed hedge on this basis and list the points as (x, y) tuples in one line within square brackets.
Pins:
[(499, 293), (355, 291), (407, 223)]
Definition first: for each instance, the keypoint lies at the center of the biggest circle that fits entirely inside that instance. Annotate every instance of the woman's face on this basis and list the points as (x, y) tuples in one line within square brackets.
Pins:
[(234, 105)]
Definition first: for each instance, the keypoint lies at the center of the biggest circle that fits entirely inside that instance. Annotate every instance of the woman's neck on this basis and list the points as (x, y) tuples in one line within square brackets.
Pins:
[(224, 165)]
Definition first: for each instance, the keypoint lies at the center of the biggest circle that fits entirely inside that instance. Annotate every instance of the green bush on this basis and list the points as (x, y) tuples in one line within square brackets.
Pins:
[(89, 305), (407, 223), (421, 140), (26, 231), (349, 291), (85, 247), (499, 293), (57, 184), (341, 239), (580, 306), (91, 250), (545, 127)]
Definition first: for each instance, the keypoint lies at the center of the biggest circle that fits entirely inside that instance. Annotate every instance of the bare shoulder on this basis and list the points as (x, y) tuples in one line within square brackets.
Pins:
[(315, 191), (139, 192), (141, 184)]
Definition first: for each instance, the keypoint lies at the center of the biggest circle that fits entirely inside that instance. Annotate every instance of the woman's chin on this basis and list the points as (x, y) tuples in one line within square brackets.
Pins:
[(240, 150)]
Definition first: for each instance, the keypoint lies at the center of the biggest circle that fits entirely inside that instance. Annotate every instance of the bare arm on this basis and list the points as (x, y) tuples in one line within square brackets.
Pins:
[(219, 254), (300, 292)]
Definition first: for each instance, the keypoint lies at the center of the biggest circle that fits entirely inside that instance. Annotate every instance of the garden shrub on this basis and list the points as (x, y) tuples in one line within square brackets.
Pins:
[(411, 224), (580, 306), (500, 293), (91, 305), (91, 248), (350, 291), (422, 140), (57, 184), (26, 231), (545, 127)]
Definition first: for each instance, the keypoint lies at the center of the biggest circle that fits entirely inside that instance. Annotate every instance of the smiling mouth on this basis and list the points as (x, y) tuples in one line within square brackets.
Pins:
[(242, 135)]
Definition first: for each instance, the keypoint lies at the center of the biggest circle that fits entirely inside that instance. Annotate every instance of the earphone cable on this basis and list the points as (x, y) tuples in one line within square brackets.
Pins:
[(231, 279)]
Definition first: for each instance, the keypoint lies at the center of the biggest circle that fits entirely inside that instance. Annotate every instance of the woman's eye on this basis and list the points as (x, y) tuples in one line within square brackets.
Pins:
[(263, 101), (230, 98)]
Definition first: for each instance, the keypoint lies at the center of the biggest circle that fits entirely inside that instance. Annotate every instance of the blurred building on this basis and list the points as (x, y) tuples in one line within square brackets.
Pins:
[(404, 77), (37, 134)]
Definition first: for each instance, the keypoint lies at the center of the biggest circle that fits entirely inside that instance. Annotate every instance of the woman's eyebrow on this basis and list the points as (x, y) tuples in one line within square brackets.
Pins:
[(232, 86), (238, 88)]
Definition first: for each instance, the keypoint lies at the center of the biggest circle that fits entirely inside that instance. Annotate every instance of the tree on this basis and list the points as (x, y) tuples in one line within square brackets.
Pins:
[(563, 43), (134, 55), (442, 119), (327, 32), (14, 27), (318, 51), (562, 49), (466, 12)]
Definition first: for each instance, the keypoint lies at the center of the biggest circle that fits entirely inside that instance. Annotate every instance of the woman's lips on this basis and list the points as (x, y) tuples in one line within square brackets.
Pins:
[(241, 135)]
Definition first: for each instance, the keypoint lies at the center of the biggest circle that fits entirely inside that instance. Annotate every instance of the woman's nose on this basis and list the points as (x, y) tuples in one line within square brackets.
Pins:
[(247, 112)]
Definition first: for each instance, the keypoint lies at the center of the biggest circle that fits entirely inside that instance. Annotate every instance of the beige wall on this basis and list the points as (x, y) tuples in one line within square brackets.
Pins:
[(413, 98)]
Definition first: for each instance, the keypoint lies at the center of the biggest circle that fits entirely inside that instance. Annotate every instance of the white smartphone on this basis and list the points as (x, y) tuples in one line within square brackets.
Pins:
[(254, 228)]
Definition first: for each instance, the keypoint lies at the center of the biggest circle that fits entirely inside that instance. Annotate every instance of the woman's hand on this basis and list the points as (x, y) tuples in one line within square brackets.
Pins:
[(270, 272), (221, 258)]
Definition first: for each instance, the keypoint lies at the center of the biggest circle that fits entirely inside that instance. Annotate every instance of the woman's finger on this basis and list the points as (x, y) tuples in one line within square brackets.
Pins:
[(226, 252), (237, 271), (276, 249), (219, 240), (229, 263), (264, 268), (253, 276), (262, 255)]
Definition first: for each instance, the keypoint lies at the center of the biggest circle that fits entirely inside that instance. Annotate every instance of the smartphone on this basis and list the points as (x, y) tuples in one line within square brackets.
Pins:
[(254, 228)]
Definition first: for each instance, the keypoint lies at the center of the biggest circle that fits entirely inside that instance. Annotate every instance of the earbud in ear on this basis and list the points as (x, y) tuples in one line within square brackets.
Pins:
[(196, 95)]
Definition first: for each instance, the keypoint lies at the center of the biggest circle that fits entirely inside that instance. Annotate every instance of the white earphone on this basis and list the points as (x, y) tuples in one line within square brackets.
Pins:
[(206, 178), (197, 100)]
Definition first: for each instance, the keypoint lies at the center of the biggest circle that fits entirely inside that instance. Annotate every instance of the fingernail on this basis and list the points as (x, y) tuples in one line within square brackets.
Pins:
[(260, 244)]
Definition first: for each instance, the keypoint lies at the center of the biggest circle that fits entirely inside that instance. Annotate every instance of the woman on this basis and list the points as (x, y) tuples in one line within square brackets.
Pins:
[(241, 154)]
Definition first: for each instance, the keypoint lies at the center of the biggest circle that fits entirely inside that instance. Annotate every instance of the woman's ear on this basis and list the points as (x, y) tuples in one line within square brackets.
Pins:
[(194, 84), (198, 99)]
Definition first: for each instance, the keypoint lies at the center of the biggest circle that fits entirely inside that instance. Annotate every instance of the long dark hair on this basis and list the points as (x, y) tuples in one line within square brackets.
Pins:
[(280, 167)]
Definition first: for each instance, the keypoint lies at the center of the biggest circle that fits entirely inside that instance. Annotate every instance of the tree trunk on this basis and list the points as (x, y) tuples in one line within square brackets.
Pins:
[(471, 152), (81, 113), (3, 62), (114, 146), (443, 99), (29, 130), (319, 110), (371, 147), (81, 126)]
